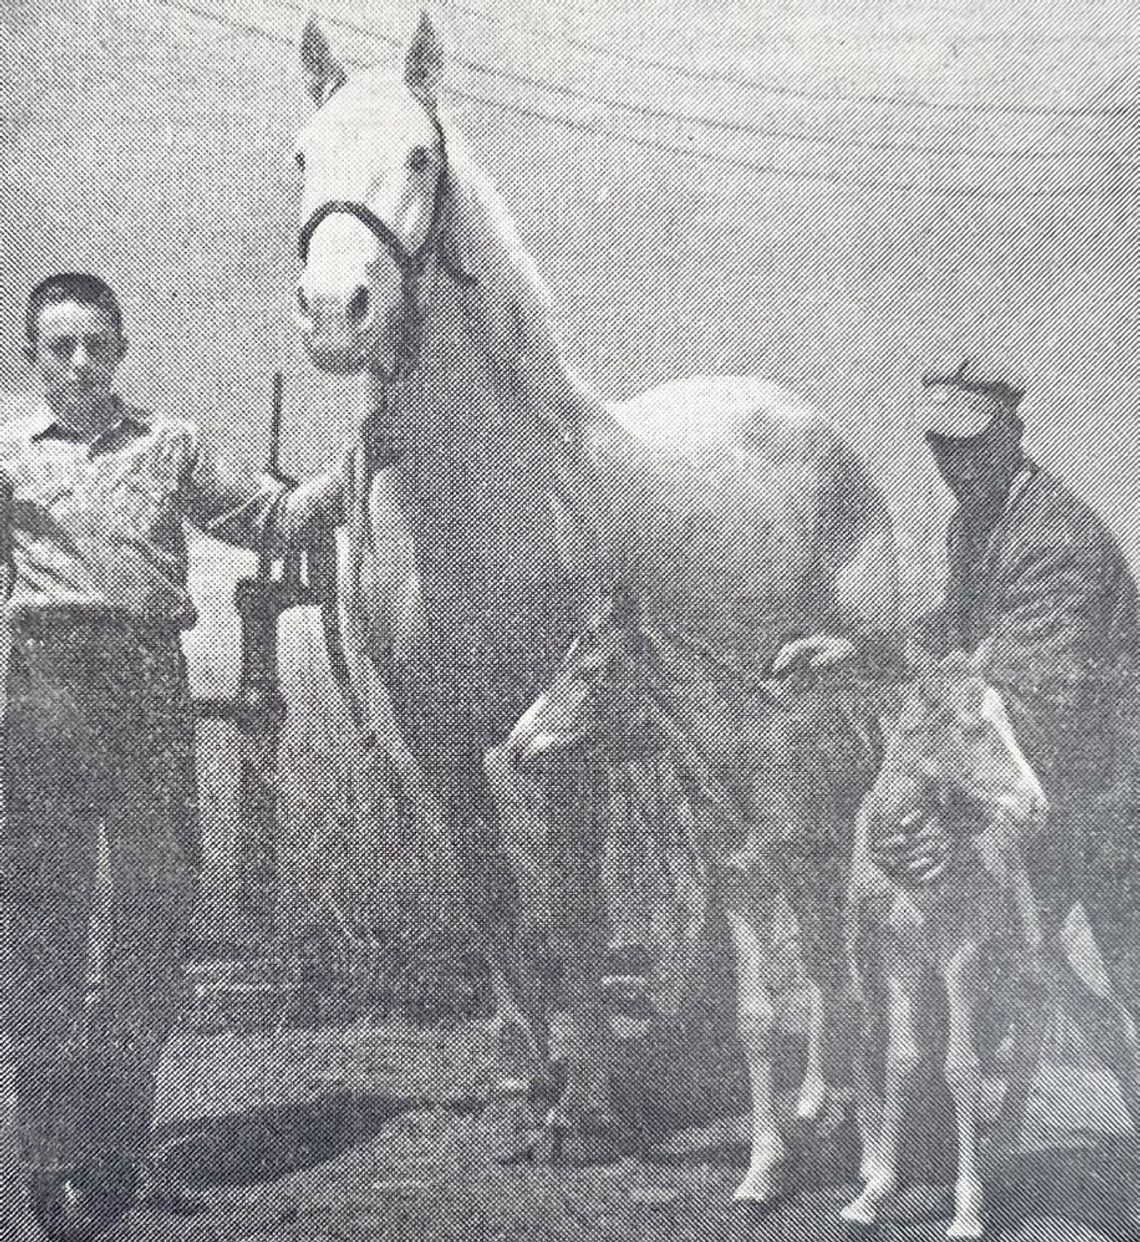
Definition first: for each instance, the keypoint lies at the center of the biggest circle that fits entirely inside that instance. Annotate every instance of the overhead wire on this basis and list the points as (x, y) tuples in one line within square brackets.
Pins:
[(761, 85), (722, 159), (724, 125)]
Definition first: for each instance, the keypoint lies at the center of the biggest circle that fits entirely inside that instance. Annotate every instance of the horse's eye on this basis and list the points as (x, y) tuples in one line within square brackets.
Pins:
[(418, 159)]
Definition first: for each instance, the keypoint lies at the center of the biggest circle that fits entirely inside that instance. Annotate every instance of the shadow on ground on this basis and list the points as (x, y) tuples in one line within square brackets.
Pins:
[(376, 1133), (274, 1141)]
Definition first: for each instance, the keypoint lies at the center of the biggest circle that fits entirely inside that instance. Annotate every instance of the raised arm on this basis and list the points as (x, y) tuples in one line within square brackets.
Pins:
[(258, 511)]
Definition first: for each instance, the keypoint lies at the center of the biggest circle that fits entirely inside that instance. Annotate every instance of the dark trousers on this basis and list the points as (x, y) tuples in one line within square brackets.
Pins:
[(98, 743)]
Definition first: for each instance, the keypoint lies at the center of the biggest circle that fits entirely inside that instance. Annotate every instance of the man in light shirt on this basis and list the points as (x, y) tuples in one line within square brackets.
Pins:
[(99, 738)]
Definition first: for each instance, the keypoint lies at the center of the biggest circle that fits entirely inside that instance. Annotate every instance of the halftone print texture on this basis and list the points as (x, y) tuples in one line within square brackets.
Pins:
[(741, 839)]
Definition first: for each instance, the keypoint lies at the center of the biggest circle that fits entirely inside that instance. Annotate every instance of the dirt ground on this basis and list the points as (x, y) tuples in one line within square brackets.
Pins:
[(377, 1133)]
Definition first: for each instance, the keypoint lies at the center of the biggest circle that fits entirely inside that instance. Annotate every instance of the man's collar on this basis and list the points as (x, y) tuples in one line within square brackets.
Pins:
[(46, 422)]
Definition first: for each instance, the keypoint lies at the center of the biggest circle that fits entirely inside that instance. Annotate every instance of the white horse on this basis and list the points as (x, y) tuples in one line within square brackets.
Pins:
[(493, 499)]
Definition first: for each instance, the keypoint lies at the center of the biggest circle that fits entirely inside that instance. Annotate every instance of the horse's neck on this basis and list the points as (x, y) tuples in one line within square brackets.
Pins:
[(487, 467)]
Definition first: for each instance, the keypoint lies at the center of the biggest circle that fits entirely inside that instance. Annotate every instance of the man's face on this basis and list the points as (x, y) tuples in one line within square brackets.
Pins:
[(76, 351), (965, 435)]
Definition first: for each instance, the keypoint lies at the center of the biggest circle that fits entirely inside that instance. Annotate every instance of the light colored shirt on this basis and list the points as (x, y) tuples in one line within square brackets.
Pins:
[(98, 525)]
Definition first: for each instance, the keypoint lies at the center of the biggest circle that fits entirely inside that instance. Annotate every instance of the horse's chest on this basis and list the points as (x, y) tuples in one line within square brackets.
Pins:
[(467, 572)]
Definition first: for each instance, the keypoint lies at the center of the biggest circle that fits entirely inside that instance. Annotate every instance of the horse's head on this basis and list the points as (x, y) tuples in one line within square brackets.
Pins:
[(375, 181), (601, 701), (953, 752)]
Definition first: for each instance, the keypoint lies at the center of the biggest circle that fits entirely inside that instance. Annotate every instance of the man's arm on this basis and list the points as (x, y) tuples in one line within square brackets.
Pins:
[(257, 511), (1048, 635), (1045, 650)]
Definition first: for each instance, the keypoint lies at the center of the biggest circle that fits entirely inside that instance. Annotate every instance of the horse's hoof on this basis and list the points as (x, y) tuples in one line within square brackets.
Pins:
[(763, 1186), (589, 1140), (512, 1130), (967, 1222), (859, 1213), (867, 1208), (759, 1200)]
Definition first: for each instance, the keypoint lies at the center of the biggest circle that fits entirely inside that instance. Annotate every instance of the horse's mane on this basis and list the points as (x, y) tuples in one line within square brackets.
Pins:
[(511, 298)]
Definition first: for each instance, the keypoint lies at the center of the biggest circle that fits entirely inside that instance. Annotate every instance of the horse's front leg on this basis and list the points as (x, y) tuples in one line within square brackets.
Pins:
[(581, 1125), (863, 933), (902, 1057), (520, 973), (750, 921), (813, 1090), (961, 974)]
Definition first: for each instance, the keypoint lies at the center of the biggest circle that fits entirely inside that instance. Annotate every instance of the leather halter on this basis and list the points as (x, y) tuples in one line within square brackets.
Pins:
[(411, 263)]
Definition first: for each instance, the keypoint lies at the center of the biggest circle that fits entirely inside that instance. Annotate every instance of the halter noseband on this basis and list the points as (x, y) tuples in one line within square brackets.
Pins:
[(410, 263)]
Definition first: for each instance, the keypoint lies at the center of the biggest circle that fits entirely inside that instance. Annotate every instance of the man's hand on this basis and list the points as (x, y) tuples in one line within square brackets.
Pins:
[(913, 852), (818, 652)]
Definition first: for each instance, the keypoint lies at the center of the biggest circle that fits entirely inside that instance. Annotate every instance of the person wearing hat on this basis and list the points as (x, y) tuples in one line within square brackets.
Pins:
[(1037, 577), (1039, 580)]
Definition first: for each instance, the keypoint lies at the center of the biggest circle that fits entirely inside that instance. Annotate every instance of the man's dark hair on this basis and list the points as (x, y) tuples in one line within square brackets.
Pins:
[(79, 287)]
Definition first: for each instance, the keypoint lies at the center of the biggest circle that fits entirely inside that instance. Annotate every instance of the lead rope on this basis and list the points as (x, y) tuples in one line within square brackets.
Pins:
[(358, 480)]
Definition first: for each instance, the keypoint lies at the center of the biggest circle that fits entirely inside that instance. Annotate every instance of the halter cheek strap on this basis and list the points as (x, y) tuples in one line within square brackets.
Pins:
[(411, 263)]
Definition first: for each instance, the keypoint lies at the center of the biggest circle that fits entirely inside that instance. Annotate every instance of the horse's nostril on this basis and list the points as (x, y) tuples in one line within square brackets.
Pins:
[(357, 309), (302, 301)]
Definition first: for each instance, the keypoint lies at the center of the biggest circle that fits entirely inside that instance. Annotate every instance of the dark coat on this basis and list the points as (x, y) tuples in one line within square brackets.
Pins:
[(1047, 586)]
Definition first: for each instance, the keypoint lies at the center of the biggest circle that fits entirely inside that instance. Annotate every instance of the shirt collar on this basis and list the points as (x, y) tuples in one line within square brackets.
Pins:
[(46, 422)]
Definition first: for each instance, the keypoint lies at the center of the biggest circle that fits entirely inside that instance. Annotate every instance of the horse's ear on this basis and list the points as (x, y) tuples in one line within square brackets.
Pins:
[(983, 653), (918, 659), (322, 71), (423, 65)]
